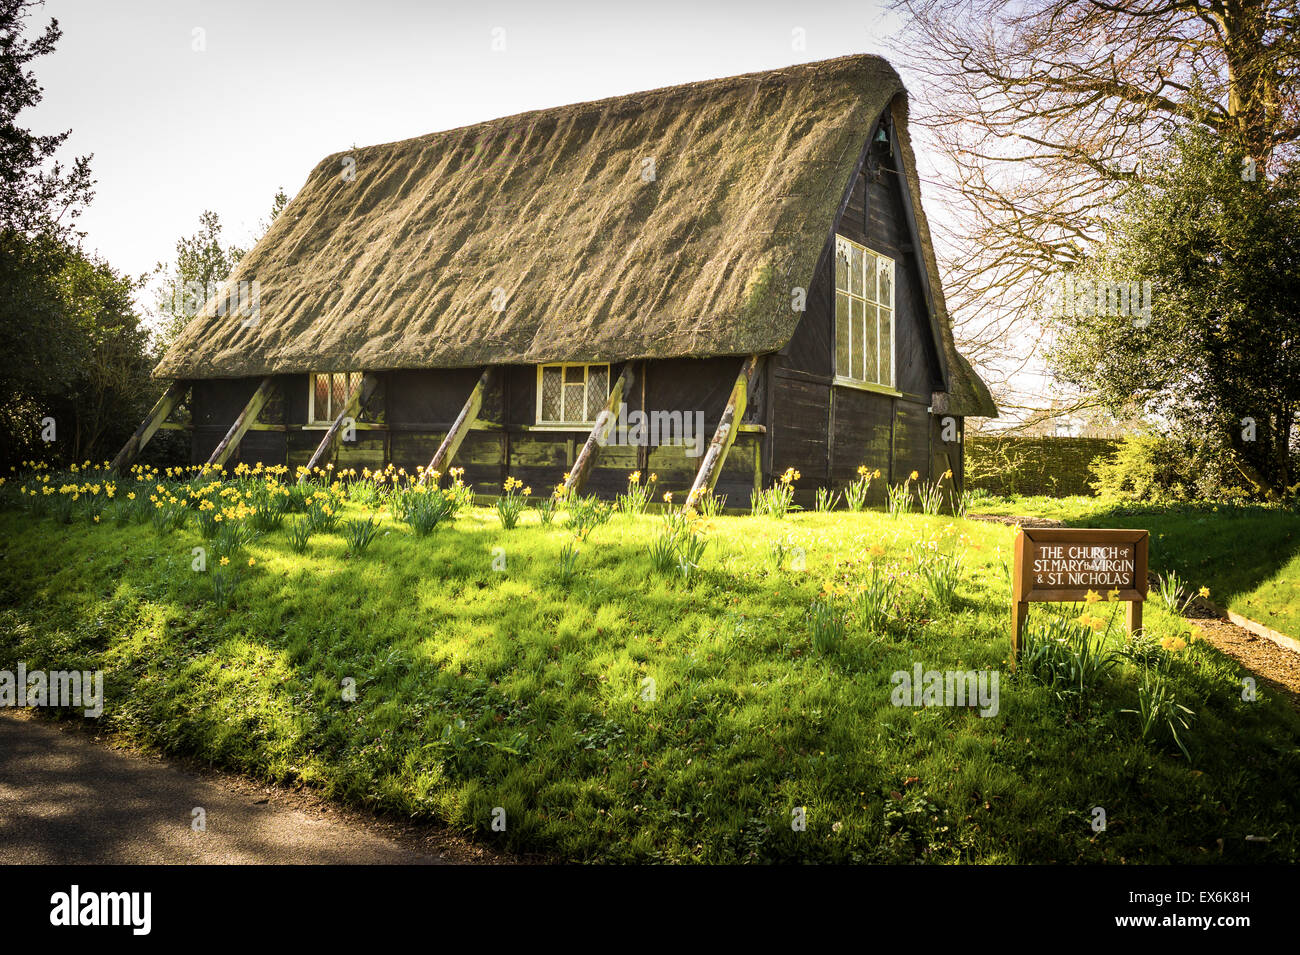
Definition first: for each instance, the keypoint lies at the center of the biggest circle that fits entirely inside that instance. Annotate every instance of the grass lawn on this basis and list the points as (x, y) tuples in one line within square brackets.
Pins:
[(627, 714), (1249, 557)]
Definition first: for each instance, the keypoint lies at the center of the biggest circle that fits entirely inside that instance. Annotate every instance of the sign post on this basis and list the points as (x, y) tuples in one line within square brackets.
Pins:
[(1061, 564)]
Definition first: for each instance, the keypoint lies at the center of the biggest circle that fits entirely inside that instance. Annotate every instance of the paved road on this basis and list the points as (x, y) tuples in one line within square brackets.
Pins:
[(67, 799)]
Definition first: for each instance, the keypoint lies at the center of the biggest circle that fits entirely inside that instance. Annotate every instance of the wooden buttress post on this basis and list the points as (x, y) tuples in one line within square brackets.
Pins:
[(706, 478), (446, 452), (586, 459), (221, 453), (149, 426)]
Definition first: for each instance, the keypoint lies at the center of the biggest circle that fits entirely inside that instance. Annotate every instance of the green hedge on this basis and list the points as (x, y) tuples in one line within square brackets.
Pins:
[(1057, 467)]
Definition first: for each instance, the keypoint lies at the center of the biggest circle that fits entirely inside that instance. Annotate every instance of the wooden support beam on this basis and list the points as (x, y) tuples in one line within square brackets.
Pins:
[(446, 452), (706, 478), (586, 459), (149, 426), (221, 453), (329, 444)]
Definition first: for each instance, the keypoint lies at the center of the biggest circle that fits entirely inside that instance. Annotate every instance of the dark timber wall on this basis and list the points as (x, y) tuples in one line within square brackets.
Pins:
[(411, 412)]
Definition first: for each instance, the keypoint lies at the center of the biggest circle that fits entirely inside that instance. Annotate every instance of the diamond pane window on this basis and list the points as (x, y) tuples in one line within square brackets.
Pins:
[(322, 395), (571, 393), (842, 334), (597, 390), (327, 394), (552, 376)]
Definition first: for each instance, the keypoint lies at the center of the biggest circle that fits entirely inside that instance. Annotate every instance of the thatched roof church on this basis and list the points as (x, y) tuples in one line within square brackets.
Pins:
[(750, 252)]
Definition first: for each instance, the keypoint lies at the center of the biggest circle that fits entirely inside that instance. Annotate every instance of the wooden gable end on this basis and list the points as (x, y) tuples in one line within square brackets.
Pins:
[(876, 212)]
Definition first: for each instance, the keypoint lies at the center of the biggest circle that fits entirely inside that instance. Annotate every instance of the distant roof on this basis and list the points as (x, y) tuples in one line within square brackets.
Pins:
[(661, 224)]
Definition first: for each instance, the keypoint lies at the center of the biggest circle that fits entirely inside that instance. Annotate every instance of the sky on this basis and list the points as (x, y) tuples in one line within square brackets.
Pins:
[(189, 105)]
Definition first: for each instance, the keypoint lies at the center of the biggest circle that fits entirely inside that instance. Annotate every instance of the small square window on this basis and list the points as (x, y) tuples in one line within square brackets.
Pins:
[(328, 393), (571, 393)]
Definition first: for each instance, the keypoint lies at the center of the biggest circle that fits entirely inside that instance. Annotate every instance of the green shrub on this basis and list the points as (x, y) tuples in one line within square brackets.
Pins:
[(931, 495), (323, 514), (511, 504), (424, 508), (941, 572), (855, 495), (209, 520), (679, 546), (546, 507), (587, 513), (778, 500), (1159, 712), (710, 504), (224, 584), (568, 565), (778, 550), (270, 502), (876, 598), (898, 498), (1149, 467), (231, 537), (1067, 657), (60, 508), (637, 495), (168, 517), (364, 492)]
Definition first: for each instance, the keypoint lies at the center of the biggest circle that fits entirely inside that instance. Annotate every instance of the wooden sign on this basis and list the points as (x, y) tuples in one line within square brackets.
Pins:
[(1061, 564)]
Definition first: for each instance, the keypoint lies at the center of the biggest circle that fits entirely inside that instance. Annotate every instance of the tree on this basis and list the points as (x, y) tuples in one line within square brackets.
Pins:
[(278, 202), (112, 389), (33, 198), (84, 361), (202, 266), (1043, 110), (73, 347), (1218, 357)]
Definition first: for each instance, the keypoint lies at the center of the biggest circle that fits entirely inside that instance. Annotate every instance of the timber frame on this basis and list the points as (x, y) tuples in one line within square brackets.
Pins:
[(154, 420), (221, 453), (446, 452), (600, 430), (706, 478)]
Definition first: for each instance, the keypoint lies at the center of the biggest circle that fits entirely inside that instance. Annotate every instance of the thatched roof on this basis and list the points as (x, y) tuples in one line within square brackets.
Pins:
[(397, 266)]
